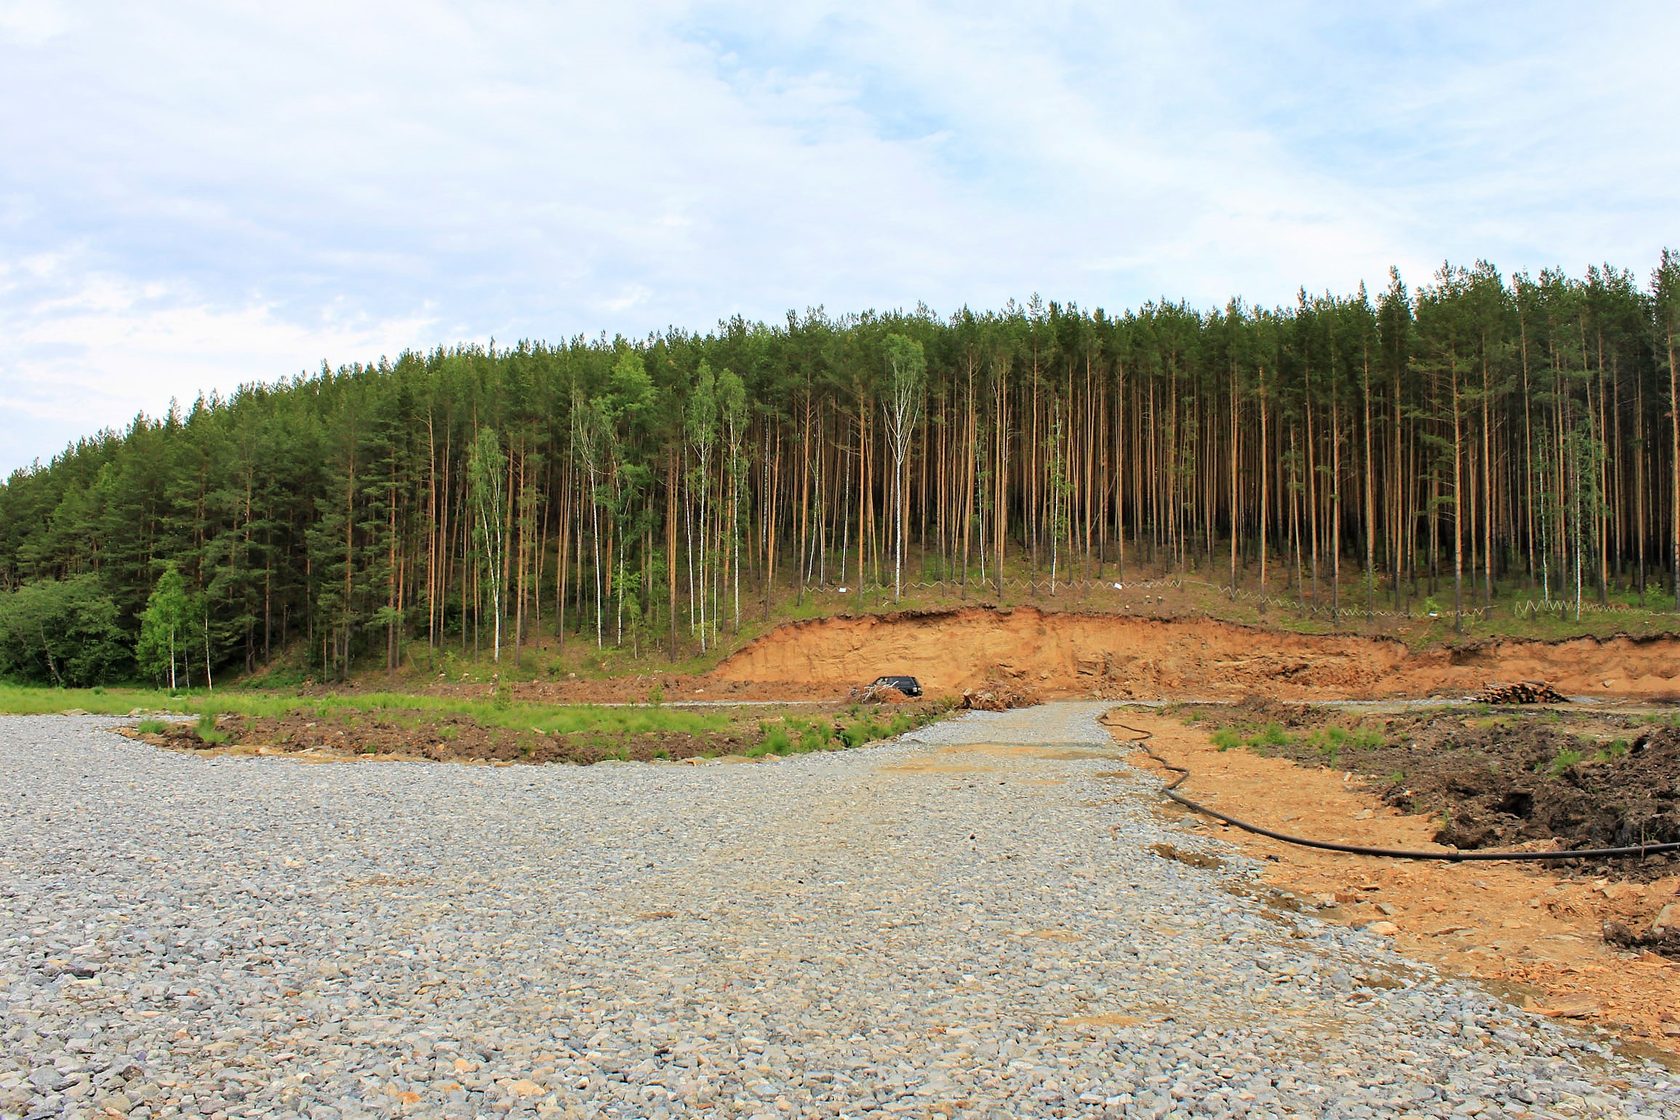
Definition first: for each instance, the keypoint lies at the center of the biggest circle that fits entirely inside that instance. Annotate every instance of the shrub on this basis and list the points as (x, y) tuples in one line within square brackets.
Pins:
[(776, 740)]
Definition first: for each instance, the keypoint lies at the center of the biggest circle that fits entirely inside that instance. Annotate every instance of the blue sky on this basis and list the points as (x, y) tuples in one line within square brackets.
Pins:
[(198, 195)]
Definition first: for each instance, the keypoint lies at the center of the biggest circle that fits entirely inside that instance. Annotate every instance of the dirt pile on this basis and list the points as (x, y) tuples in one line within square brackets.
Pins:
[(876, 694), (441, 739), (1126, 657), (1539, 932), (1579, 779)]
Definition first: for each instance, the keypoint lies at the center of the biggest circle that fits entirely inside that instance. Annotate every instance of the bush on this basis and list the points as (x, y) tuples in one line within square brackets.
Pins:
[(61, 632), (776, 740)]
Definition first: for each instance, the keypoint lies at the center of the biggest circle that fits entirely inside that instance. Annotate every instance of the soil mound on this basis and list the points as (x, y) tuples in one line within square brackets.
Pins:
[(1125, 657), (877, 694)]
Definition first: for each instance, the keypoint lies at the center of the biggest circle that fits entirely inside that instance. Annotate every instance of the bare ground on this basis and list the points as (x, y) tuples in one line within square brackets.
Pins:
[(1125, 657), (1534, 933)]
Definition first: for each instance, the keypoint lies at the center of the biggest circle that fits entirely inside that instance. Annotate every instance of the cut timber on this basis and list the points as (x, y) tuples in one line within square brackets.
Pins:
[(1523, 692)]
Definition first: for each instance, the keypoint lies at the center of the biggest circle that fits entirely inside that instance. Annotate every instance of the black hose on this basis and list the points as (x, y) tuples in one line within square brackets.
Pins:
[(1142, 741)]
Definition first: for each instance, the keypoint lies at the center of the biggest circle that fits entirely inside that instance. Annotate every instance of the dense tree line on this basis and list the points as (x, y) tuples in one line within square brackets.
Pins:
[(1353, 450)]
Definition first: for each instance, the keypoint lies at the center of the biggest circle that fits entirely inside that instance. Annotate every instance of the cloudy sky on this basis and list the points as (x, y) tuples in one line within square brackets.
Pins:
[(198, 195)]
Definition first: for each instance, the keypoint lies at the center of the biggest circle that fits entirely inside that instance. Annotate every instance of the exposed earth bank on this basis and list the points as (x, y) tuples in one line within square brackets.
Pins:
[(1122, 657)]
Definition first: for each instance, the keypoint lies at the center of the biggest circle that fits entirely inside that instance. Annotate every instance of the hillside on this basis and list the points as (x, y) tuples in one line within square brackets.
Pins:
[(1439, 449)]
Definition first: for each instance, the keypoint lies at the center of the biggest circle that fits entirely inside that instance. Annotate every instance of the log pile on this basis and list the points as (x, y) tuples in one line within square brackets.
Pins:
[(1522, 692)]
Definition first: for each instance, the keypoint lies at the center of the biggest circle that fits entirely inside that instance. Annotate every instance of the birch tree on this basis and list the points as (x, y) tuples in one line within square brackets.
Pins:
[(486, 467), (902, 408)]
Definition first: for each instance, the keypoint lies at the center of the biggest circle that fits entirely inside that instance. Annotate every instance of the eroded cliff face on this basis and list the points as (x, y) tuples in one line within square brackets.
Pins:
[(1061, 655)]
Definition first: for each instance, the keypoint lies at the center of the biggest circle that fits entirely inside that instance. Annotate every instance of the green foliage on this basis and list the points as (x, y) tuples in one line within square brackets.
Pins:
[(61, 632), (417, 505), (165, 628), (208, 733), (152, 726)]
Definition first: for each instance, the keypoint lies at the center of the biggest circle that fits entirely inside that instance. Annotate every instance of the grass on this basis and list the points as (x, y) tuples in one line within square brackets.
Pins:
[(599, 727), (852, 728), (1332, 740), (549, 719), (208, 733), (1329, 741), (1565, 758)]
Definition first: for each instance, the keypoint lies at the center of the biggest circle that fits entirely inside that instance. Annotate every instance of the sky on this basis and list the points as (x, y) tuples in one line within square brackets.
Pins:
[(195, 196)]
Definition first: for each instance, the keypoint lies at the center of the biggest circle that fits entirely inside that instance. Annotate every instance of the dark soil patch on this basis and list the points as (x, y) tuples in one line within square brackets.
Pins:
[(1584, 780), (442, 737)]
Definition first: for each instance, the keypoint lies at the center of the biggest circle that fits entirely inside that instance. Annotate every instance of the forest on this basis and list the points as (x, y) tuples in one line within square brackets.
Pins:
[(1351, 451)]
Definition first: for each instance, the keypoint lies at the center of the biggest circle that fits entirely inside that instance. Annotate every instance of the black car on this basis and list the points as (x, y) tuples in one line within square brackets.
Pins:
[(907, 685)]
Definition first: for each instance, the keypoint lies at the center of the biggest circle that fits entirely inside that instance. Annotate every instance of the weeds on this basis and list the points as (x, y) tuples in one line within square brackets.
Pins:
[(1332, 740), (1565, 758), (207, 732)]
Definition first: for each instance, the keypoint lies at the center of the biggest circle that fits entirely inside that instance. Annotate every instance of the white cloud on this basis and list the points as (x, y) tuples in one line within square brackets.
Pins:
[(33, 23), (220, 191), (100, 349)]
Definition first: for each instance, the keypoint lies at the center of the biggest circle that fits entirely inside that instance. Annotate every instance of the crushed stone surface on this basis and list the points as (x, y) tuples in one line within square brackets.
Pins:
[(976, 920)]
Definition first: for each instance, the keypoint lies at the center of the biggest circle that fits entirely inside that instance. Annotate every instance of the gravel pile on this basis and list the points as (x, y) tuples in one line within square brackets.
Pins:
[(915, 929)]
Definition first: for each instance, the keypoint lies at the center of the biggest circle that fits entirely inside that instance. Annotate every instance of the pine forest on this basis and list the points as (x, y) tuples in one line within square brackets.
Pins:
[(1458, 440)]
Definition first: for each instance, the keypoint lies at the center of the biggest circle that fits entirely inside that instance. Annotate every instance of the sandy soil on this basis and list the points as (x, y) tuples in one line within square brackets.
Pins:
[(1123, 657), (1535, 934)]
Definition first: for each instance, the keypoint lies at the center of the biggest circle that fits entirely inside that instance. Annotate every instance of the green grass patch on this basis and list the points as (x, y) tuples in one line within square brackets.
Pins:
[(1563, 760), (207, 732), (1616, 748), (549, 719), (852, 728)]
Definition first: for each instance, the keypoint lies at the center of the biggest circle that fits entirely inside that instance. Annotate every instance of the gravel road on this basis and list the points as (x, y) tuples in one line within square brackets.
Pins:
[(942, 926)]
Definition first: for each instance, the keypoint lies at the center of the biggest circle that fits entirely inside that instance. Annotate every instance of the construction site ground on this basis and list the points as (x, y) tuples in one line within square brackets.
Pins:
[(1573, 941), (1536, 933)]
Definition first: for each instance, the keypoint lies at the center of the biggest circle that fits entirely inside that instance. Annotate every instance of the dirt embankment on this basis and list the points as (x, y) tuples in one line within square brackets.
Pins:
[(1123, 657)]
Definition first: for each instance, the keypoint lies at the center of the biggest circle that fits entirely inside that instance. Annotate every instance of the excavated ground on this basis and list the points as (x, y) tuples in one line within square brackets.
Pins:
[(1551, 937), (1125, 657)]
